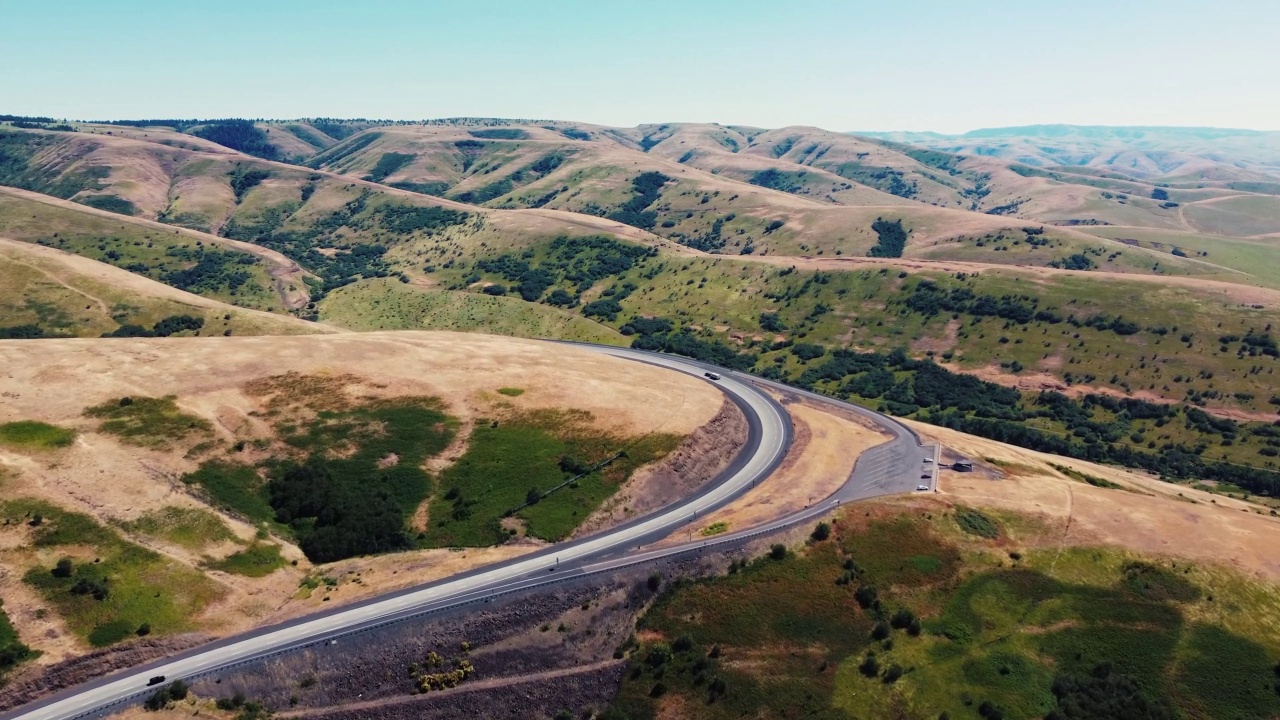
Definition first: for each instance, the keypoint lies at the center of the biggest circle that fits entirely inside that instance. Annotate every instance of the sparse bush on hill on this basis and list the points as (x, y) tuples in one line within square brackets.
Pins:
[(164, 328)]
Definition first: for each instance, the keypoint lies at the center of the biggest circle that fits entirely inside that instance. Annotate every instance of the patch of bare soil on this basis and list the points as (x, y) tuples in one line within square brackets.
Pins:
[(1157, 517), (702, 455)]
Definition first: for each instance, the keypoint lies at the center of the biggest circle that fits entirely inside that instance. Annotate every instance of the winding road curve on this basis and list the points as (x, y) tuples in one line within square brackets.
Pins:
[(890, 467)]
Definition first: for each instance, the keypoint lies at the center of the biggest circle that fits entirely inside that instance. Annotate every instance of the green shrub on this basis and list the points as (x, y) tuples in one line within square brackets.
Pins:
[(975, 523)]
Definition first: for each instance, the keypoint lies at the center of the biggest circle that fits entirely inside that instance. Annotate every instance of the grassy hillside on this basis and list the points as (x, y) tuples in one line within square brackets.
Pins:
[(49, 294), (684, 183), (242, 275), (927, 611), (387, 304), (1179, 156)]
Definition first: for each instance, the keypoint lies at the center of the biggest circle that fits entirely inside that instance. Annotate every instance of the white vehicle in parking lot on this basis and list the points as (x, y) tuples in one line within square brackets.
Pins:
[(922, 488)]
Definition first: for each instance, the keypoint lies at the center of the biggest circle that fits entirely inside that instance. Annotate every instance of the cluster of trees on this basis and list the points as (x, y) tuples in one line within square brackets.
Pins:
[(360, 260), (110, 203), (246, 177), (388, 164), (928, 299), (578, 261), (213, 271), (164, 328), (499, 134), (659, 334), (885, 179), (892, 239), (405, 219), (238, 134), (435, 188), (1075, 261), (336, 518), (571, 133), (1103, 693), (28, 331), (783, 181), (646, 186)]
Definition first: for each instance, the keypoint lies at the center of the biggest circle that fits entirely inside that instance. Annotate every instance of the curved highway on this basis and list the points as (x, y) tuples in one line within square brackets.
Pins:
[(889, 467)]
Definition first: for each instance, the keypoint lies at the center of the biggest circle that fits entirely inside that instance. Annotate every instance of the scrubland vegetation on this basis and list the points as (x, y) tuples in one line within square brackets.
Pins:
[(927, 612)]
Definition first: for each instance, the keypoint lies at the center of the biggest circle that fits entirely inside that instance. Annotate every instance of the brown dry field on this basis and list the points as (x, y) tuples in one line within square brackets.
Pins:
[(1151, 517), (54, 380), (822, 455)]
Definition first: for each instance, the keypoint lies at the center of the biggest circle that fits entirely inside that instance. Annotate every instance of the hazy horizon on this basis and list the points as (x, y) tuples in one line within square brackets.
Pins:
[(922, 66)]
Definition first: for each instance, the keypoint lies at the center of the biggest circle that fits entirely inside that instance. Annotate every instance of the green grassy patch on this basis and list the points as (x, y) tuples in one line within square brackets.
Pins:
[(116, 589), (235, 487), (715, 528), (1087, 478), (191, 528), (344, 476), (148, 422), (257, 560), (511, 391), (12, 651), (899, 551), (35, 435), (1092, 627), (539, 467)]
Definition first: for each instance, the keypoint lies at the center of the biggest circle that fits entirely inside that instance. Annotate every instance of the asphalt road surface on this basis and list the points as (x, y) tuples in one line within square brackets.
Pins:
[(891, 467)]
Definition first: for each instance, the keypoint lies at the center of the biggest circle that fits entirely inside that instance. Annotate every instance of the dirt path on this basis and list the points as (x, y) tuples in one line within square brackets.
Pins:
[(286, 274), (468, 687)]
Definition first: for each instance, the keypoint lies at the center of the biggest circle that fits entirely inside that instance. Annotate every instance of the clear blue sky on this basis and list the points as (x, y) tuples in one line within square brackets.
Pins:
[(891, 65)]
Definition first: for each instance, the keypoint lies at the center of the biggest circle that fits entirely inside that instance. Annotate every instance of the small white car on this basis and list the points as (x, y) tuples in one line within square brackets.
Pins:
[(922, 488), (712, 376), (928, 460)]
